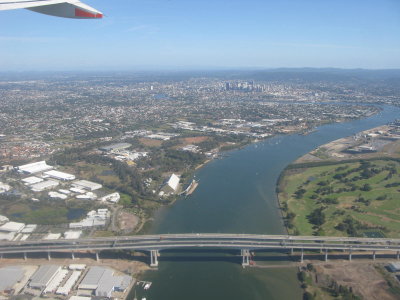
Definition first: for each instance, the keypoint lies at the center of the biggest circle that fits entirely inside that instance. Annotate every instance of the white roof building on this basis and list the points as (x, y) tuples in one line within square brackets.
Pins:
[(173, 182), (29, 228), (3, 219), (52, 236), (57, 195), (72, 235), (60, 175), (36, 167), (88, 185), (43, 276), (32, 180), (113, 198), (12, 227), (4, 187), (41, 186)]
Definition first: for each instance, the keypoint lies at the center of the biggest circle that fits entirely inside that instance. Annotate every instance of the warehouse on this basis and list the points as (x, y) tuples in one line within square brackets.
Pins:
[(103, 282), (10, 276), (36, 167), (72, 235), (43, 276), (12, 227), (3, 219), (32, 180), (113, 198), (114, 147), (67, 287), (88, 185), (59, 175), (173, 182), (41, 186)]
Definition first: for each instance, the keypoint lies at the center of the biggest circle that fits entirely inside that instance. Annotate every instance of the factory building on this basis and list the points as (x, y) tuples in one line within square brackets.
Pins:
[(40, 166), (102, 282), (173, 182), (32, 180), (87, 185), (113, 198), (43, 276), (45, 185), (9, 277), (59, 175), (4, 187), (115, 147)]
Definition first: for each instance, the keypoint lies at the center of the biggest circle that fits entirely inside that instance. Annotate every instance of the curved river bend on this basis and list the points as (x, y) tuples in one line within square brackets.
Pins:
[(237, 195)]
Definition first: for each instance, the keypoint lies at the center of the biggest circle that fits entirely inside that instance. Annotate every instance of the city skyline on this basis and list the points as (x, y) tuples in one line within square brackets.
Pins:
[(138, 35)]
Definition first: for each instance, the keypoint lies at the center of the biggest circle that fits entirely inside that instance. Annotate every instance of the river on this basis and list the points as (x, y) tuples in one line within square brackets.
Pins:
[(237, 195)]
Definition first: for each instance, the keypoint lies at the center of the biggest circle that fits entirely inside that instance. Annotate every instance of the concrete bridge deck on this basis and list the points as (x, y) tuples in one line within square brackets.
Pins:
[(243, 242)]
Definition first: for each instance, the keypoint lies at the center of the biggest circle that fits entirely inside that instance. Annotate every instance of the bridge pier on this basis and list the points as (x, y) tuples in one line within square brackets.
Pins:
[(326, 254), (398, 255), (350, 255), (302, 256), (154, 258), (48, 256), (97, 256), (25, 256), (73, 255), (291, 251), (245, 257), (373, 255)]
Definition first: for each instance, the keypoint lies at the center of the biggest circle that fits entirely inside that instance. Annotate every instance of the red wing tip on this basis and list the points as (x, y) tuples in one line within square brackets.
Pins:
[(86, 14)]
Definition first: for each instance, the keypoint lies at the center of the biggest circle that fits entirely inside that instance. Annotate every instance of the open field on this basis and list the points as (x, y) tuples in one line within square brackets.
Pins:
[(347, 198)]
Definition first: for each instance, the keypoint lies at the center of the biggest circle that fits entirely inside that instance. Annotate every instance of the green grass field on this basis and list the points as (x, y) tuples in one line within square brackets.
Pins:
[(350, 198)]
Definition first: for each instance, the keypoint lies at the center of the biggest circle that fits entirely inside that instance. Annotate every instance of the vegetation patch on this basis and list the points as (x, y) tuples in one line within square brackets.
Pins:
[(358, 198)]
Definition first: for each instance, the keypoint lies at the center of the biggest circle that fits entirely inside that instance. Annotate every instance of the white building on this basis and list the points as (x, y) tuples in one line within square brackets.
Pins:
[(87, 185), (33, 168), (173, 182), (45, 185), (4, 187), (60, 175), (32, 180), (113, 198), (12, 227)]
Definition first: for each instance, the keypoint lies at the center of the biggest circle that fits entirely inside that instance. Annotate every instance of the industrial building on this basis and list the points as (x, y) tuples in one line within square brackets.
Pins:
[(113, 198), (394, 266), (9, 277), (45, 185), (4, 187), (92, 219), (12, 227), (115, 147), (87, 185), (102, 282), (173, 182), (40, 166), (32, 180), (59, 175), (43, 276)]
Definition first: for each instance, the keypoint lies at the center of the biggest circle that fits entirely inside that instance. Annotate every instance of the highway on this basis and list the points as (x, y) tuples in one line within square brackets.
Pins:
[(199, 240)]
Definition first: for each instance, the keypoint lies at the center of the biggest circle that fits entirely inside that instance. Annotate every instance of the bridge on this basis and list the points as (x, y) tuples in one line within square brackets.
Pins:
[(243, 242)]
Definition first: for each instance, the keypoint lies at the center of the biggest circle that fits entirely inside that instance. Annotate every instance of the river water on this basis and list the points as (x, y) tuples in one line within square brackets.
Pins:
[(237, 195)]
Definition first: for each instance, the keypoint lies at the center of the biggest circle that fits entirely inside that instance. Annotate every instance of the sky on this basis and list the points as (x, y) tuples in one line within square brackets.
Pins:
[(206, 34)]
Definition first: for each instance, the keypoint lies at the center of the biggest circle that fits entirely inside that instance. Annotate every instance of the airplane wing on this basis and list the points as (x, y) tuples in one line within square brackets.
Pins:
[(59, 8)]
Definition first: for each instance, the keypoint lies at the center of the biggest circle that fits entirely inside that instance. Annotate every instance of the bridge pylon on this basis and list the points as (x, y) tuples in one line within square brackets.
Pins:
[(245, 257), (154, 258)]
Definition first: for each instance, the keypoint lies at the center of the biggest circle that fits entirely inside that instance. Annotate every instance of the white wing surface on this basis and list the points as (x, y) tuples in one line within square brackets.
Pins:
[(60, 8)]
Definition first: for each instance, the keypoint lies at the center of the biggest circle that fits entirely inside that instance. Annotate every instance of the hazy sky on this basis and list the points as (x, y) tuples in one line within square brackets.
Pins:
[(206, 33)]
